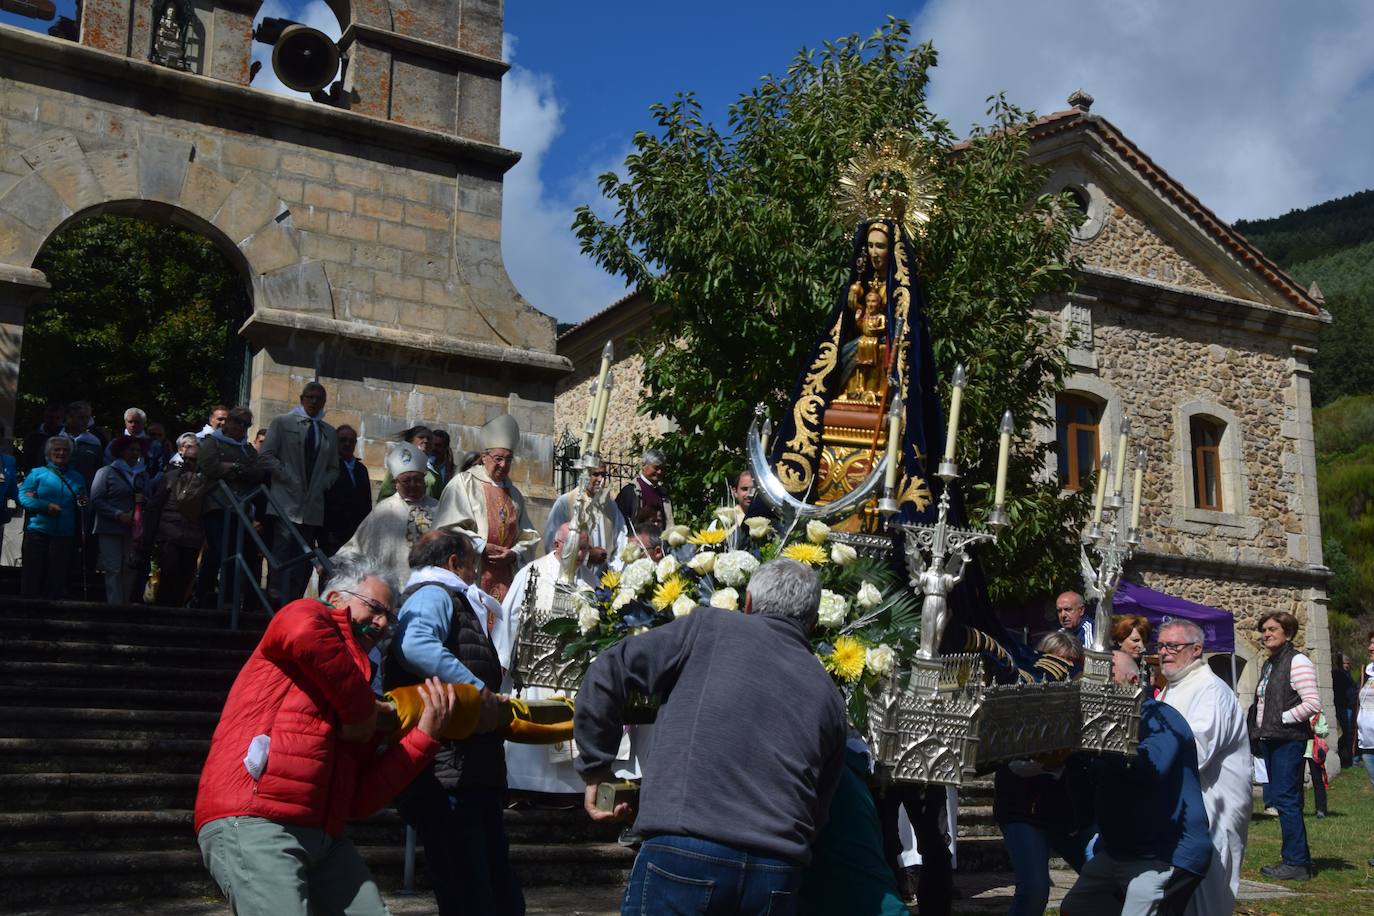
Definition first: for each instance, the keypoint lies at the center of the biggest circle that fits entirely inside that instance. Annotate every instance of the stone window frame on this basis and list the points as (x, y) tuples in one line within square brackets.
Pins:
[(1074, 177), (1235, 482), (1083, 385)]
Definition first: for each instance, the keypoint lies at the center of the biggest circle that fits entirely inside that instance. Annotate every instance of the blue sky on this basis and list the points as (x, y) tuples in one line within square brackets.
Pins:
[(1257, 106)]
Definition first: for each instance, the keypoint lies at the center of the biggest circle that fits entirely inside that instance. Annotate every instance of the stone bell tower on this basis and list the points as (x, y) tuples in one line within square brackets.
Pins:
[(366, 226)]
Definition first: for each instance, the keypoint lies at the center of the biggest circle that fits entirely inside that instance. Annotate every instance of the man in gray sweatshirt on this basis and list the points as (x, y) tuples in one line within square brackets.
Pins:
[(748, 746)]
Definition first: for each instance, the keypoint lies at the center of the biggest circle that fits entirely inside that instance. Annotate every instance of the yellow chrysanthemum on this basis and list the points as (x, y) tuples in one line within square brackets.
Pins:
[(707, 537), (610, 579), (667, 592), (846, 661), (810, 554)]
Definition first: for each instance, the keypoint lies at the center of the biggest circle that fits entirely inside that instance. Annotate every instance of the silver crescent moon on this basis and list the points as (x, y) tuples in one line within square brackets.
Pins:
[(788, 506)]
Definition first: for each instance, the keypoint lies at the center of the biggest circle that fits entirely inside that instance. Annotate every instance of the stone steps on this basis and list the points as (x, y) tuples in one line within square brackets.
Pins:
[(105, 719)]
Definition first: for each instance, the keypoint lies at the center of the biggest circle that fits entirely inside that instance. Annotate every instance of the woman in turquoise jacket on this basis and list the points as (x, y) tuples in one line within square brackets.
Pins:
[(53, 496)]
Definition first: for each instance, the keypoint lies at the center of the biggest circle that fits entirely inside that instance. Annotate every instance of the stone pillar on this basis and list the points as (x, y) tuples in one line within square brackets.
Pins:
[(20, 287)]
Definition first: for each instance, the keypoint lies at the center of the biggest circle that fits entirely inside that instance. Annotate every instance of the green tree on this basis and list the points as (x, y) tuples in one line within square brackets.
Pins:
[(139, 315), (735, 234)]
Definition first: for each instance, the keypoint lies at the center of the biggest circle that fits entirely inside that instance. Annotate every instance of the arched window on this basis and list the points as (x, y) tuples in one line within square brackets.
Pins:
[(1205, 434), (1076, 419)]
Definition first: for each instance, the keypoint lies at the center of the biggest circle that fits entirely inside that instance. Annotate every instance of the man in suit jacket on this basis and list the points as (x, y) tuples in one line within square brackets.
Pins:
[(302, 453), (349, 501)]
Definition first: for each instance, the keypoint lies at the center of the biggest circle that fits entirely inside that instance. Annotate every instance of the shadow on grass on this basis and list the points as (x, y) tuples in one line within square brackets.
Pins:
[(1329, 864)]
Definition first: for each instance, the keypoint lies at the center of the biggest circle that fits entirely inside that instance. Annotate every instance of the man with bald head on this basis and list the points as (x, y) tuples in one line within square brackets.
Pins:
[(1070, 610)]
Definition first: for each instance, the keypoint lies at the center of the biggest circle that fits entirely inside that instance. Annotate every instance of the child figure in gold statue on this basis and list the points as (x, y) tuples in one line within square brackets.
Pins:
[(865, 380)]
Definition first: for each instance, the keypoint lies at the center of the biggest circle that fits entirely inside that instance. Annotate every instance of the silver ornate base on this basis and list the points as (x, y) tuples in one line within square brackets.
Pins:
[(539, 658), (945, 724)]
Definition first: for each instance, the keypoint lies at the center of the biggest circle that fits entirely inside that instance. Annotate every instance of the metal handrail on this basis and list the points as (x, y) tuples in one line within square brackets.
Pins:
[(236, 505)]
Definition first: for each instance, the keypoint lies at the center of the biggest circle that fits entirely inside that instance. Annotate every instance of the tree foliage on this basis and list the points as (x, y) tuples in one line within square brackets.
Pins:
[(139, 315), (734, 234)]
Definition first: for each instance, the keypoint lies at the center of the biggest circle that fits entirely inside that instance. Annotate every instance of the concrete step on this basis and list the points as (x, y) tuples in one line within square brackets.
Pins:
[(120, 724), (102, 755), (128, 633), (14, 608), (21, 674), (51, 650), (34, 877), (28, 791), (123, 698)]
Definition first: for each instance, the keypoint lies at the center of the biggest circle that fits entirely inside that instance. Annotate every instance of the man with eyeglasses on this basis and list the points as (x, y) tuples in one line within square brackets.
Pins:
[(483, 501), (1223, 757), (602, 522), (1070, 609), (297, 754)]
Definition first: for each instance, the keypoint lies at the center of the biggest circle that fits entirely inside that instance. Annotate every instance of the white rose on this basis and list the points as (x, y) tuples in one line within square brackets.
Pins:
[(730, 516), (703, 562), (622, 598), (726, 598), (869, 597), (630, 552), (833, 609), (880, 659), (638, 575), (588, 618), (666, 567), (759, 528), (677, 535), (817, 532), (843, 554), (683, 606), (735, 567)]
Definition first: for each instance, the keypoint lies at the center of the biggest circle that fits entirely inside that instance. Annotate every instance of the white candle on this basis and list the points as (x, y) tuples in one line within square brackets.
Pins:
[(1102, 473), (1003, 456), (766, 435), (956, 398), (1137, 487), (1121, 455), (602, 407), (894, 444), (593, 399)]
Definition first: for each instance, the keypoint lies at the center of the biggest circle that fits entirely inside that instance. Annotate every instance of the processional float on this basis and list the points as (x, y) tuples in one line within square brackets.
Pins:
[(852, 435)]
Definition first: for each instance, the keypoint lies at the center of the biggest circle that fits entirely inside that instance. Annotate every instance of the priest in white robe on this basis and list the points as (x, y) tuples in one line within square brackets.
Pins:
[(483, 502), (602, 522), (529, 767), (396, 523), (1223, 758)]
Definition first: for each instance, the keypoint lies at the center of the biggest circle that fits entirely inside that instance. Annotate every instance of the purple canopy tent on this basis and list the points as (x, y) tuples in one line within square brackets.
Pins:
[(1218, 626)]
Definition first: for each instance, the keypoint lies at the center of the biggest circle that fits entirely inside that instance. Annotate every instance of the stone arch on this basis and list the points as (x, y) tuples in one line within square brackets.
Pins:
[(1098, 390), (160, 178)]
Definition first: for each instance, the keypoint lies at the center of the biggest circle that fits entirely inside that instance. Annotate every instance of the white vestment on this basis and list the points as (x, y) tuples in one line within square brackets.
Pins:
[(389, 531), (1224, 771), (534, 767), (604, 524), (464, 503)]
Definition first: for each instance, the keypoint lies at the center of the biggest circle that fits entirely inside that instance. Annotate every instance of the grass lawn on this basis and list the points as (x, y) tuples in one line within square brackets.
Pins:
[(1342, 844)]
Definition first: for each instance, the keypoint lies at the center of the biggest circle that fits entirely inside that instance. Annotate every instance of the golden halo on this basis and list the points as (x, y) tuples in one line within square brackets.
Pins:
[(890, 178)]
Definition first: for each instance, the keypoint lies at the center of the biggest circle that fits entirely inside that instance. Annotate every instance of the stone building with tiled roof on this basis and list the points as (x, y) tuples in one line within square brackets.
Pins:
[(1178, 322)]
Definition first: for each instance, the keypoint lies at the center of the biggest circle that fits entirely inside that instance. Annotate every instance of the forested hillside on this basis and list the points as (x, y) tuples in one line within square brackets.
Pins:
[(1333, 245)]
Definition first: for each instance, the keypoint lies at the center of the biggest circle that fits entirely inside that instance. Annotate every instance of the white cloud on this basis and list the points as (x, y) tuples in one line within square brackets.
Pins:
[(541, 253), (1256, 106), (316, 14)]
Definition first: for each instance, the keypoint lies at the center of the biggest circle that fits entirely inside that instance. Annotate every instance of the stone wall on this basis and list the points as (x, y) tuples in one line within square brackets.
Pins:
[(1128, 244), (370, 239), (623, 422)]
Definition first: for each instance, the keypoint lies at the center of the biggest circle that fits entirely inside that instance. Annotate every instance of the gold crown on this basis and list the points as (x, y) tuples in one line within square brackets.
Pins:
[(890, 178)]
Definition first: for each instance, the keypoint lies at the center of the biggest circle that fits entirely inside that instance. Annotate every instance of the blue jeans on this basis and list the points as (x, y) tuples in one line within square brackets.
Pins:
[(467, 854), (685, 875), (1284, 760), (1029, 848), (1367, 758)]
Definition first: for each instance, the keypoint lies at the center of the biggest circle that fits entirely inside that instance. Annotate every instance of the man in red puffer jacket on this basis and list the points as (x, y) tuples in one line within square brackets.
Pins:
[(295, 757)]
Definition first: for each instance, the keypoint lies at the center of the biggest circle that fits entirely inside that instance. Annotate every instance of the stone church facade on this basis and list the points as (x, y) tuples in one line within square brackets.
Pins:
[(1181, 324), (367, 234)]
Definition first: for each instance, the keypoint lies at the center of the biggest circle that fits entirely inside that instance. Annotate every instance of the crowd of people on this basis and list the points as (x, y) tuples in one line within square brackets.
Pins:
[(772, 811)]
